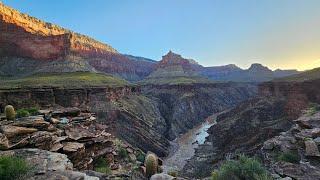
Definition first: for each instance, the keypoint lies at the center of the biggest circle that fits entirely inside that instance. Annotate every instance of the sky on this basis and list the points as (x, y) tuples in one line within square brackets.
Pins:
[(277, 33)]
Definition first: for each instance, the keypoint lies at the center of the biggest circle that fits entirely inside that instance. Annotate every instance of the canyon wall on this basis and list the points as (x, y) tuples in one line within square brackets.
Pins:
[(186, 105), (26, 36), (29, 45)]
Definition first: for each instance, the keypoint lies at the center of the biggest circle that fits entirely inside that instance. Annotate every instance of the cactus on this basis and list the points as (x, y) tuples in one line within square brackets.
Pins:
[(151, 163), (10, 113)]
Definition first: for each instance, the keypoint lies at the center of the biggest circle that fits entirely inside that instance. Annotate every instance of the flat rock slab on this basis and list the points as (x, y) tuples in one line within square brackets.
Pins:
[(78, 132), (12, 131), (32, 121)]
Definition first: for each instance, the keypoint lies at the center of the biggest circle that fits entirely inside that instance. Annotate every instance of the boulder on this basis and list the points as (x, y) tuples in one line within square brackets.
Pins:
[(311, 148), (54, 121), (42, 139), (12, 131), (268, 145), (161, 176), (317, 140)]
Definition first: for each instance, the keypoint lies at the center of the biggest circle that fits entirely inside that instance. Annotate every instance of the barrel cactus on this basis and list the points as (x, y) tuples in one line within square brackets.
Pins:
[(151, 163), (10, 113)]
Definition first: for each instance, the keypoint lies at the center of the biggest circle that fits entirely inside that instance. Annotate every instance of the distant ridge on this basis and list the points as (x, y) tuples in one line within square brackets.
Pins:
[(309, 75), (255, 73)]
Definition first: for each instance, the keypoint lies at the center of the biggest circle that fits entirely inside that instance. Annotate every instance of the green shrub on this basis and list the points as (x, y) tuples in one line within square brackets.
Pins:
[(151, 164), (101, 165), (10, 113), (122, 152), (140, 156), (292, 157), (313, 108), (105, 170), (33, 111), (22, 113), (244, 168), (27, 112), (12, 168)]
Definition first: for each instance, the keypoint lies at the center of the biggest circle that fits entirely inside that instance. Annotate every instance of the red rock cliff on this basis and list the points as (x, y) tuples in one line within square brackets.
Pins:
[(25, 36)]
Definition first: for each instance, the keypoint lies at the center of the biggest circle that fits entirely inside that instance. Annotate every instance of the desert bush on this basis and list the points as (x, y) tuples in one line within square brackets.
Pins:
[(313, 108), (122, 152), (22, 113), (12, 168), (101, 165), (244, 168), (291, 156), (33, 111), (140, 156)]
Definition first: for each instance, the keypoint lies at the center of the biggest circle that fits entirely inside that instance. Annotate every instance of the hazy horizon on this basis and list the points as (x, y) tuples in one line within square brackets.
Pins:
[(278, 34)]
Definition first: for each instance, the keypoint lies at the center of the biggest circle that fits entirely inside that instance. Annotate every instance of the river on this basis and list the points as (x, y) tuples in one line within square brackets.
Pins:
[(183, 148)]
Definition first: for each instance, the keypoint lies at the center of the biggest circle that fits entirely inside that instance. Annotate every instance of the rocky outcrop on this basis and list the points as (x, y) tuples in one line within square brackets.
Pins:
[(299, 145), (184, 106), (73, 139), (81, 138)]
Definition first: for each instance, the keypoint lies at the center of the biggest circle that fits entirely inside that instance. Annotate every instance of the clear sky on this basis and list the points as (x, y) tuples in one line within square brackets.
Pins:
[(277, 33)]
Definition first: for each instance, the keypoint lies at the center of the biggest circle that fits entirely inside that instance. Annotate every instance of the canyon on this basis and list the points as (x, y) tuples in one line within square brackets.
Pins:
[(135, 106)]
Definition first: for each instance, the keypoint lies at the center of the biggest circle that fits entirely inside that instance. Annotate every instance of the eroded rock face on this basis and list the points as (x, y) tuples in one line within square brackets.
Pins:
[(37, 46), (242, 129), (48, 97), (26, 36)]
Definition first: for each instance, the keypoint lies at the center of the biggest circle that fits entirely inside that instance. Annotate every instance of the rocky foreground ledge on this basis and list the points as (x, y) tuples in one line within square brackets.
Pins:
[(59, 143)]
